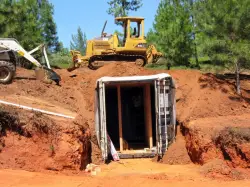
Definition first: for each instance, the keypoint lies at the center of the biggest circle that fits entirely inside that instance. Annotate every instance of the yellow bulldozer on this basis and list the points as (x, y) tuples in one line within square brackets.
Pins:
[(108, 48)]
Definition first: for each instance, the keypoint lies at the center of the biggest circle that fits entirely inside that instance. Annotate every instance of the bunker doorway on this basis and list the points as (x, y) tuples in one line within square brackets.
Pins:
[(137, 125), (137, 113), (133, 121)]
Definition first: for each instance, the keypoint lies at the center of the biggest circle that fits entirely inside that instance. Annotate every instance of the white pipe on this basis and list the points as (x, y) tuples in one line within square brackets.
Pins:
[(35, 109)]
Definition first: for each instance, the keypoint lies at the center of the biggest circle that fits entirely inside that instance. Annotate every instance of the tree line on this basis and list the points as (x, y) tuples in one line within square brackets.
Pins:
[(28, 21), (31, 23), (189, 31)]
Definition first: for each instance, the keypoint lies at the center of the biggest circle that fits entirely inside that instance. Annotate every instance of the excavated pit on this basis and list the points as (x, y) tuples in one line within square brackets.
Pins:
[(204, 102)]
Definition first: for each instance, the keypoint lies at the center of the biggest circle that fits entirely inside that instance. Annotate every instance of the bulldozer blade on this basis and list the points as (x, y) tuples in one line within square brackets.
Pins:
[(45, 73)]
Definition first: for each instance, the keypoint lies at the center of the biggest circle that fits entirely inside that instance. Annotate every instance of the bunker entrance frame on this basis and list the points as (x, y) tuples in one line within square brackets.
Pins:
[(158, 109)]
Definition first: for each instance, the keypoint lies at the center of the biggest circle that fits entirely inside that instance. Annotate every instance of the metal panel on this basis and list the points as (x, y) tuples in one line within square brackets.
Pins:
[(97, 115), (103, 134), (164, 114)]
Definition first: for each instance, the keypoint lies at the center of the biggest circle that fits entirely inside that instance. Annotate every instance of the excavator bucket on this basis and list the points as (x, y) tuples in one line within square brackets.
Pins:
[(47, 75)]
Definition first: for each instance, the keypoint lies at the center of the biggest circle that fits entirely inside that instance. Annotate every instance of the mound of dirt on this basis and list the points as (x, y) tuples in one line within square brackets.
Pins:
[(26, 85), (199, 96), (202, 96), (177, 153), (219, 169)]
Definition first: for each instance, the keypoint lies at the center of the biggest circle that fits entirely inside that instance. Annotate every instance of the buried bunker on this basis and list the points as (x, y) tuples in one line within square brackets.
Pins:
[(137, 113)]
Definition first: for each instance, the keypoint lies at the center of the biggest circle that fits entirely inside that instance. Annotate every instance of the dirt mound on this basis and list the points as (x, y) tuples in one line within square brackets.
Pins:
[(202, 96), (219, 169), (26, 85), (177, 153), (198, 96)]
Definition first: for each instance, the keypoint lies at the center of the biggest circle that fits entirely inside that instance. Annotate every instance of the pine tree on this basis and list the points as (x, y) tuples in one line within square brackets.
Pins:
[(121, 8), (48, 25), (224, 28), (29, 21), (18, 19), (172, 31), (192, 17), (79, 41)]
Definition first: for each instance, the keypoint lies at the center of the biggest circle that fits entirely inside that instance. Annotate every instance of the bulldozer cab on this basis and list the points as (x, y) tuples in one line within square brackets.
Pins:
[(133, 30)]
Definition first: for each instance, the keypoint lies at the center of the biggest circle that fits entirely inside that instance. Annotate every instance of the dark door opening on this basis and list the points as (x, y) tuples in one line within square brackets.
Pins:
[(152, 96), (137, 114), (133, 123), (112, 115)]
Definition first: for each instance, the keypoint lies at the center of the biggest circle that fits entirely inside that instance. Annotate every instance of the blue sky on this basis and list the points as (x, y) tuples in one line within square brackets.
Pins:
[(90, 15)]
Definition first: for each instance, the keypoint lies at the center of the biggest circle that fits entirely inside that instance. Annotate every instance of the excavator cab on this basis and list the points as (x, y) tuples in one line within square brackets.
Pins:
[(133, 31)]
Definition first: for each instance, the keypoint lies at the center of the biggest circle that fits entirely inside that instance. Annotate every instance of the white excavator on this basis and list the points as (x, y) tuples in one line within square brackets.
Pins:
[(9, 48)]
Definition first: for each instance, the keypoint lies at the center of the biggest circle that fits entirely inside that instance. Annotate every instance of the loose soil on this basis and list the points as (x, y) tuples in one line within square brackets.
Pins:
[(177, 152), (206, 105)]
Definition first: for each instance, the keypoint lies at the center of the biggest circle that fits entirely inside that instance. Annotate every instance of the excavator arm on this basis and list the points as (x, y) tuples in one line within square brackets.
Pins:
[(13, 45)]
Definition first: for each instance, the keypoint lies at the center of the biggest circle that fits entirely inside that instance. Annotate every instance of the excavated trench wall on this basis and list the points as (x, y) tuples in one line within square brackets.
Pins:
[(229, 142), (35, 142)]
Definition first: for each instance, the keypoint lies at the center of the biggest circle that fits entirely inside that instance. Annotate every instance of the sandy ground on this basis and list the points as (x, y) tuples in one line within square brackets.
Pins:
[(142, 172)]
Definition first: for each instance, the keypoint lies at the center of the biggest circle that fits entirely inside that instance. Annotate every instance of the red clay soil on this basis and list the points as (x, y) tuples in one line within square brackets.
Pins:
[(35, 142), (219, 137), (218, 169), (177, 153), (198, 96), (131, 173)]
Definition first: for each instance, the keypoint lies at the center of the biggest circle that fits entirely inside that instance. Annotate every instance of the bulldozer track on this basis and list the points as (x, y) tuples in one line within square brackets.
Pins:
[(115, 57)]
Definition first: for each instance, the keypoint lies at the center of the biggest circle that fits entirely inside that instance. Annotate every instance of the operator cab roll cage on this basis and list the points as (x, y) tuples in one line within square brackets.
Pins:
[(138, 31)]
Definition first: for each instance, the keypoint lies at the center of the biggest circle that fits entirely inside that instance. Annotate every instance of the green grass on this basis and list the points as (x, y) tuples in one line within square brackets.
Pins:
[(201, 60), (209, 68), (62, 61), (206, 68), (63, 66), (164, 67)]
